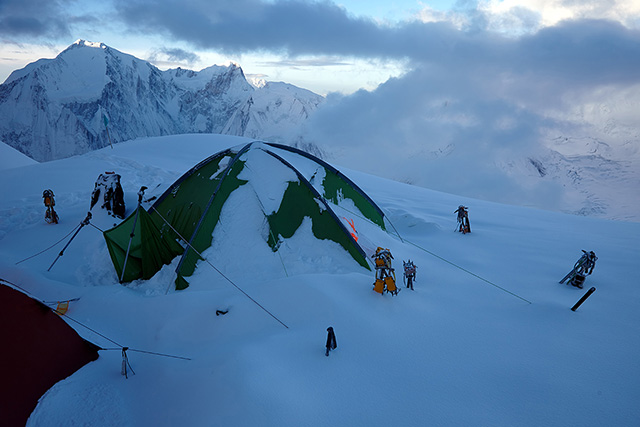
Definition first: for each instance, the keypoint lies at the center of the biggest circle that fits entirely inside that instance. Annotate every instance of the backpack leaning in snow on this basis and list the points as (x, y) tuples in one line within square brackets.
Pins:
[(463, 219), (581, 269), (409, 273), (113, 196), (50, 216)]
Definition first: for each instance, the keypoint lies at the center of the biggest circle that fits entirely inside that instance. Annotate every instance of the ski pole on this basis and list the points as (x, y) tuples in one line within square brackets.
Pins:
[(82, 224)]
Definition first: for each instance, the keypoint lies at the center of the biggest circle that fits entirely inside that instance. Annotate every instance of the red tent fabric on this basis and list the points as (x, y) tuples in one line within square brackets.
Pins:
[(38, 350)]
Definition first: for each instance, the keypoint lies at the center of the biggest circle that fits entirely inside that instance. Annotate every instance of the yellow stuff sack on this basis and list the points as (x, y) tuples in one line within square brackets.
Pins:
[(391, 284), (378, 286)]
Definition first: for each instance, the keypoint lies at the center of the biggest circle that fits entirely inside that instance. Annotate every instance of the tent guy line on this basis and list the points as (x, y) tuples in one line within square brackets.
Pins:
[(438, 256), (147, 352), (469, 272), (214, 267), (120, 347), (50, 247), (84, 222)]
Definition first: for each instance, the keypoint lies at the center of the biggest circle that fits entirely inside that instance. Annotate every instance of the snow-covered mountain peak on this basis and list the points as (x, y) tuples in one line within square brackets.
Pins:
[(257, 82), (55, 108), (86, 43), (189, 79)]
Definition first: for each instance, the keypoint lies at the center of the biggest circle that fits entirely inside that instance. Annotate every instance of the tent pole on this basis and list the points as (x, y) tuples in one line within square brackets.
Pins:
[(135, 221), (82, 224), (126, 257)]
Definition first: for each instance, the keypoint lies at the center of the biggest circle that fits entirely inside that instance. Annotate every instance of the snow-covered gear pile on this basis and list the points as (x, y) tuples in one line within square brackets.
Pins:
[(286, 187), (409, 275), (463, 219), (50, 216), (385, 274), (112, 195), (581, 269)]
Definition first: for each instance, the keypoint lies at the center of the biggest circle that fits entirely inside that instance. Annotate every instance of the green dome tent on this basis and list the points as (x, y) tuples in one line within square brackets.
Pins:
[(290, 185)]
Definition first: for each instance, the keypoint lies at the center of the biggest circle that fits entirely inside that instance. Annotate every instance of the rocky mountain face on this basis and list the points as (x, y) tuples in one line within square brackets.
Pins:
[(91, 95)]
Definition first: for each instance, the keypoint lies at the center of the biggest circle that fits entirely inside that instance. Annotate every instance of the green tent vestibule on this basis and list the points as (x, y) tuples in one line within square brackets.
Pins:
[(182, 220), (148, 250)]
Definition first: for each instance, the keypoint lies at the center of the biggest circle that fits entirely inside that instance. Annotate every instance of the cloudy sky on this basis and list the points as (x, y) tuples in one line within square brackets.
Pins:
[(427, 78), (329, 45)]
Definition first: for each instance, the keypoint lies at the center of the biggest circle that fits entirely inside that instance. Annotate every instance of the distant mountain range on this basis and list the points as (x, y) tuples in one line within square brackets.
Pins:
[(92, 95)]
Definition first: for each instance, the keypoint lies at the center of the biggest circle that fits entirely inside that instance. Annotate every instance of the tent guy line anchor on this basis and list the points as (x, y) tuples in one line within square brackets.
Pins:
[(469, 272), (214, 267), (119, 346)]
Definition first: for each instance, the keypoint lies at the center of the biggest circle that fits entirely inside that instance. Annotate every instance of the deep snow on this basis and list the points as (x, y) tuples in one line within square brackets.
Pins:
[(486, 339)]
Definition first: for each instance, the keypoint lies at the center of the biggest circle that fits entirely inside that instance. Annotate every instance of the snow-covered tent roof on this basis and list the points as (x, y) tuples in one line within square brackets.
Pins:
[(183, 219)]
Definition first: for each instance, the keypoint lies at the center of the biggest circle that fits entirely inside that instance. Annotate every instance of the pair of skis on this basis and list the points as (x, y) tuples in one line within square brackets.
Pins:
[(582, 268)]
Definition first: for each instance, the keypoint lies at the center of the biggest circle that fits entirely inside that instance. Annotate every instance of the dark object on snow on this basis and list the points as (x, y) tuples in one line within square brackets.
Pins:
[(581, 269), (583, 299), (219, 312), (463, 219), (50, 216), (331, 340), (141, 194), (113, 196)]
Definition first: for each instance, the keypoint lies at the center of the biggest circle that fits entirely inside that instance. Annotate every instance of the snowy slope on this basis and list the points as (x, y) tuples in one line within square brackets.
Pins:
[(486, 339), (12, 158)]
